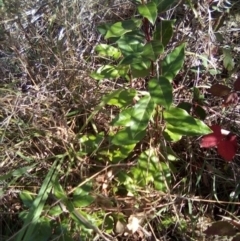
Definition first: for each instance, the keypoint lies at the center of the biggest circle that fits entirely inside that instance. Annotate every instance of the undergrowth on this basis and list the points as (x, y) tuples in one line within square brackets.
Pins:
[(119, 120)]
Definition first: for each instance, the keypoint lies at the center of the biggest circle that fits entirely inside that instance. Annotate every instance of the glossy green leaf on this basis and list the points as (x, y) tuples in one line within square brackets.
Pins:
[(181, 123), (43, 230), (123, 118), (131, 43), (115, 154), (83, 190), (200, 112), (148, 11), (163, 5), (173, 62), (152, 50), (140, 116), (89, 143), (185, 106), (161, 91), (103, 28), (141, 69), (151, 171), (164, 31), (142, 113), (121, 152), (132, 59), (80, 201), (58, 190), (55, 211), (123, 70), (27, 198), (108, 51), (171, 136), (105, 72), (121, 97), (120, 28), (127, 136)]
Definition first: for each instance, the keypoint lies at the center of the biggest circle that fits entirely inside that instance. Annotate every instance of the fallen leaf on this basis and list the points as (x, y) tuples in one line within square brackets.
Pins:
[(212, 139), (233, 139), (226, 150), (221, 228), (219, 90), (231, 99), (208, 141)]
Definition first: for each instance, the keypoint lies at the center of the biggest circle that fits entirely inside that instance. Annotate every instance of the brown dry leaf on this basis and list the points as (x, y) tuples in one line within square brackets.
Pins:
[(219, 90), (237, 84), (221, 228), (231, 99)]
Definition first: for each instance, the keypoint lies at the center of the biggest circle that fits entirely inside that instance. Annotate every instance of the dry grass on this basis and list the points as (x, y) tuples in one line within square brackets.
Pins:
[(46, 96)]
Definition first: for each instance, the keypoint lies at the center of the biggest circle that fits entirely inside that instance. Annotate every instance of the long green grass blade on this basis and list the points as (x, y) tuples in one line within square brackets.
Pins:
[(35, 211)]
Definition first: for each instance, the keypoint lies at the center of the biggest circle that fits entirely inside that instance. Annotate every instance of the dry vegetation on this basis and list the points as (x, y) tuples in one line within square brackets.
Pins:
[(46, 96)]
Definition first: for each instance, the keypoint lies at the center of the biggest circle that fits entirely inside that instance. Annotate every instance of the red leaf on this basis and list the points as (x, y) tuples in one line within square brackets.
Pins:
[(226, 150), (216, 129), (209, 141), (212, 140), (233, 139)]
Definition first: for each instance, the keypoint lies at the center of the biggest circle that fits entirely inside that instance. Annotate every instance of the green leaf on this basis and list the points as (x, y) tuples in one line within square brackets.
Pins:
[(131, 59), (120, 28), (115, 154), (141, 69), (80, 201), (128, 137), (161, 91), (185, 106), (164, 31), (121, 97), (83, 190), (181, 123), (123, 118), (140, 115), (173, 62), (149, 170), (55, 211), (89, 143), (121, 152), (108, 51), (58, 190), (171, 136), (43, 231), (105, 72), (152, 50), (27, 198), (131, 43), (228, 61), (148, 11), (123, 70), (200, 112), (30, 223), (163, 5)]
